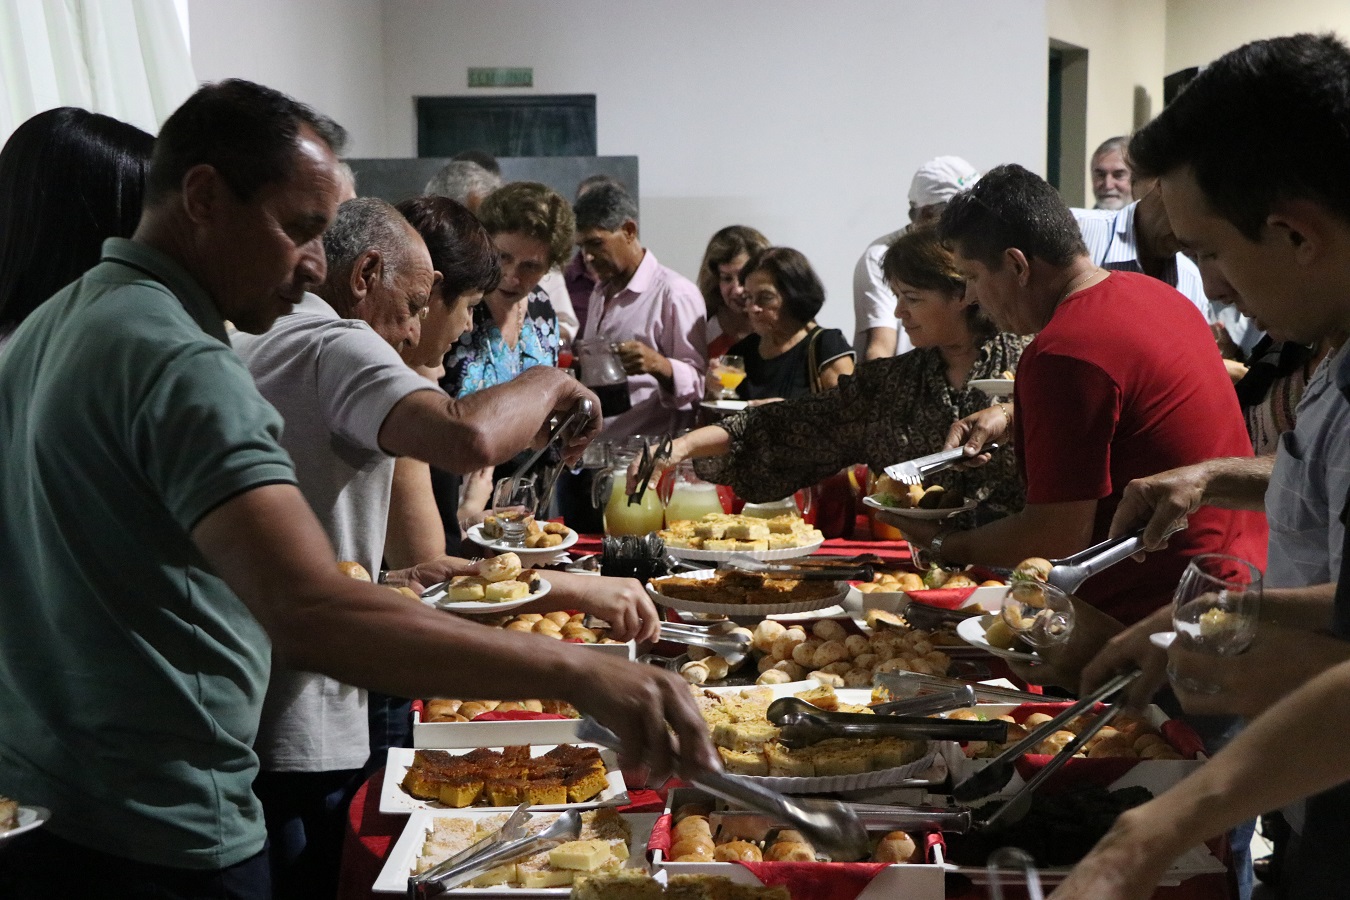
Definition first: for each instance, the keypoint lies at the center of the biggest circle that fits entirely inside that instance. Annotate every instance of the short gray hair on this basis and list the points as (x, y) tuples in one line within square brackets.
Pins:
[(460, 179), (1110, 145), (606, 207), (363, 224)]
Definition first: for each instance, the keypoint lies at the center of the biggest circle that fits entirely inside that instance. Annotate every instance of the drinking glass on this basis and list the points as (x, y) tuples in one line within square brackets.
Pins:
[(1040, 613), (513, 501), (1215, 610), (730, 372)]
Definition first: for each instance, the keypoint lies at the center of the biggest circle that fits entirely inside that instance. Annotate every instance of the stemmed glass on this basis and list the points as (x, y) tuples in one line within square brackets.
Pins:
[(513, 501), (1040, 613), (730, 372), (1215, 610)]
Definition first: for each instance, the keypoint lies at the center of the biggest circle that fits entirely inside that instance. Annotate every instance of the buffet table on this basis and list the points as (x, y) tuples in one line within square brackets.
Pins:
[(371, 834)]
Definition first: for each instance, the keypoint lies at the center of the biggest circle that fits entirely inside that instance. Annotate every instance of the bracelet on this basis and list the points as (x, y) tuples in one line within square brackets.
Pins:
[(383, 577), (1007, 416), (935, 545)]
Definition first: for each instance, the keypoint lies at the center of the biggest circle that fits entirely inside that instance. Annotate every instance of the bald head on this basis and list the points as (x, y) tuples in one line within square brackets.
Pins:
[(378, 270)]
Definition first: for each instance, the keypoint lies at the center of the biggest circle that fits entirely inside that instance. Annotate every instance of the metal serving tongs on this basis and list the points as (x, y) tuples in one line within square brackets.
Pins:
[(471, 865), (914, 471), (875, 817), (838, 572), (800, 724), (1068, 574), (999, 771), (731, 647), (564, 430), (647, 466), (828, 824), (1016, 859), (906, 685)]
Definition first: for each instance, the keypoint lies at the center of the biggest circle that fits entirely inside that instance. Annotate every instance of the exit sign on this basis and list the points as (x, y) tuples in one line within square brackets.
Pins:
[(501, 77)]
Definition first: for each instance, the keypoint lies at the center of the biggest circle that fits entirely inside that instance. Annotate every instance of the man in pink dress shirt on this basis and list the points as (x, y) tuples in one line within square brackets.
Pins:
[(655, 315)]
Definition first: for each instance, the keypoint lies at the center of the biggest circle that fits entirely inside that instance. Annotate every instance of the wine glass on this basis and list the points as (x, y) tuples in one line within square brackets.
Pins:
[(730, 372), (513, 501), (1040, 613), (1215, 610)]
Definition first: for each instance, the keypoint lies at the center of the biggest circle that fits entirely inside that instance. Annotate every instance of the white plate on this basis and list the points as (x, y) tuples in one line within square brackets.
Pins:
[(972, 632), (760, 555), (927, 514), (725, 405), (993, 387), (30, 817), (482, 607), (743, 609), (395, 800), (526, 554), (393, 878)]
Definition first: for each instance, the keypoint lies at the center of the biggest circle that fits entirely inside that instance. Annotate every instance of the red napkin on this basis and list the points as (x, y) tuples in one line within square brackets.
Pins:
[(641, 800), (942, 598), (660, 837), (1182, 736), (515, 715), (817, 881)]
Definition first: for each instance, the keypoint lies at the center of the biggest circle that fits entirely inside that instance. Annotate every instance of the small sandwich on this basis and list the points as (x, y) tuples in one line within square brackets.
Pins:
[(500, 568)]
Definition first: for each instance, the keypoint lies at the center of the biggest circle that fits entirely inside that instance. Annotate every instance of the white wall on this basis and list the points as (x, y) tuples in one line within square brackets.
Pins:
[(804, 119), (327, 53), (1125, 40), (1199, 31)]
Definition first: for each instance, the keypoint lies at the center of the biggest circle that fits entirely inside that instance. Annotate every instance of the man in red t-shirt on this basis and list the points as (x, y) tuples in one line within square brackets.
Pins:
[(1124, 379)]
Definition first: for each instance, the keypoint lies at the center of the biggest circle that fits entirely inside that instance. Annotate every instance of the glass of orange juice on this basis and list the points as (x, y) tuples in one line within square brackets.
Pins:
[(730, 372)]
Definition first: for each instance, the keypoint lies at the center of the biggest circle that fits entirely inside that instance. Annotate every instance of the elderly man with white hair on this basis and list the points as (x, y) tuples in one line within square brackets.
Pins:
[(876, 335)]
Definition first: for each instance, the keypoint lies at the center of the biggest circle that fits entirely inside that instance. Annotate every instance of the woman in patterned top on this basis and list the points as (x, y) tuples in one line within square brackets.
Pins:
[(889, 410), (515, 328)]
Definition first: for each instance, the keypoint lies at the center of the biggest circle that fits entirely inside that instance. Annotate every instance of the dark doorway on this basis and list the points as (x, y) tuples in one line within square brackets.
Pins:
[(550, 125)]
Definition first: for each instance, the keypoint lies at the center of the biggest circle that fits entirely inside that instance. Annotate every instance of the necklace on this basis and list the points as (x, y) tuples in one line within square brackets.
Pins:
[(1078, 283)]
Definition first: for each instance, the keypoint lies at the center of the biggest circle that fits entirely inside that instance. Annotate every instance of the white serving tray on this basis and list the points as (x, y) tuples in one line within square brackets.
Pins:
[(760, 555), (394, 800), (911, 881), (529, 556), (393, 878)]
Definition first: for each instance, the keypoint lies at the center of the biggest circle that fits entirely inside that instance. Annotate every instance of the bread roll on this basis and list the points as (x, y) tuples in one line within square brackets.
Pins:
[(829, 652), (829, 630), (519, 626), (559, 617), (896, 847), (737, 850), (500, 568), (790, 851), (354, 571), (857, 644), (694, 672), (803, 653), (766, 633), (473, 708), (692, 809), (691, 825), (694, 849), (778, 676), (717, 668)]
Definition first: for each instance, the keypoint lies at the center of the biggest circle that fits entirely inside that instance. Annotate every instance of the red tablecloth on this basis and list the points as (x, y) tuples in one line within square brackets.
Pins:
[(371, 834)]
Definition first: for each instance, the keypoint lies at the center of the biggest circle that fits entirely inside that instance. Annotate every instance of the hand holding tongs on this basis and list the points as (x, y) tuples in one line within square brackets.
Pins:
[(840, 572), (916, 470), (647, 466), (1068, 574), (731, 647), (563, 431), (828, 824)]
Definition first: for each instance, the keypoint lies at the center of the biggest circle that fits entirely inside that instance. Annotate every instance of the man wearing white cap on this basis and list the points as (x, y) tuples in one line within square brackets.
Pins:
[(876, 335)]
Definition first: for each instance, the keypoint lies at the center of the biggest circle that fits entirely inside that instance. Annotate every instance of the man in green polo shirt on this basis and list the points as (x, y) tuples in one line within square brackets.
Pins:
[(157, 552)]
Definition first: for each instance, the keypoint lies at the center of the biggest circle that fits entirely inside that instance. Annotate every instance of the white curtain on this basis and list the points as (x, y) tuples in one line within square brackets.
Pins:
[(124, 58)]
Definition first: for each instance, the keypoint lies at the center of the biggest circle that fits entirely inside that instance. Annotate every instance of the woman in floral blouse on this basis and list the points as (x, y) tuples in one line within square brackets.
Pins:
[(515, 327), (889, 410)]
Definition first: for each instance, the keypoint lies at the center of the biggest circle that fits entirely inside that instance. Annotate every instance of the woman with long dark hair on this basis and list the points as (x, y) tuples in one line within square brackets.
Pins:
[(69, 179)]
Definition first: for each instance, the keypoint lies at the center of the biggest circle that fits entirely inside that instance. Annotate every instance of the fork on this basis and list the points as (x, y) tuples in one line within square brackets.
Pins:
[(916, 470)]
